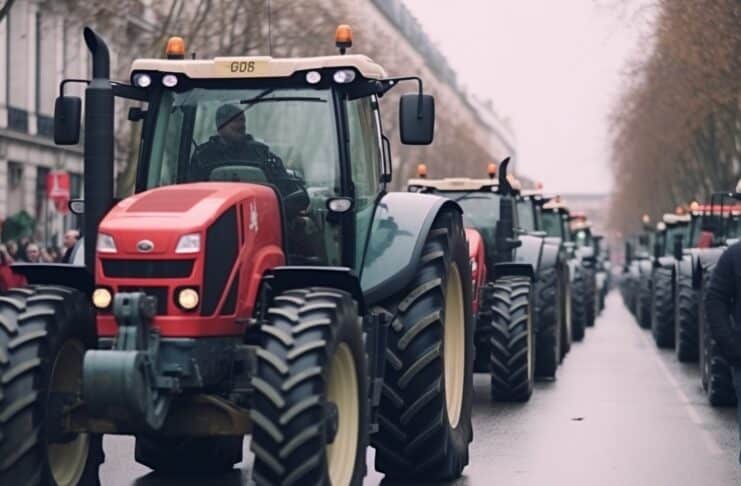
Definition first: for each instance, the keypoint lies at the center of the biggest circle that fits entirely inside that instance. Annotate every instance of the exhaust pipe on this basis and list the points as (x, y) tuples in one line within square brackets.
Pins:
[(98, 165)]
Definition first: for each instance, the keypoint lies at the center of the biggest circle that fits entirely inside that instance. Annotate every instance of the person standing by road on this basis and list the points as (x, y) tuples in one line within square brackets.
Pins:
[(723, 313), (69, 242)]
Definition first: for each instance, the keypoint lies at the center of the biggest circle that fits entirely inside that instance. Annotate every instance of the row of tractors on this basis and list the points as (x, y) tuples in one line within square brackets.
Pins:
[(665, 276), (272, 285), (539, 276)]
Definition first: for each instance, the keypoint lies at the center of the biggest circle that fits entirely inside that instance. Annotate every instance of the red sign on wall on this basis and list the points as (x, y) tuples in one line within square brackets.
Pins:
[(57, 189)]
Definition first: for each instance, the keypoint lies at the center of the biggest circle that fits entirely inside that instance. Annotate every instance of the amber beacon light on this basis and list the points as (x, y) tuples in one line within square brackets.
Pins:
[(491, 169), (422, 170), (343, 37), (175, 48)]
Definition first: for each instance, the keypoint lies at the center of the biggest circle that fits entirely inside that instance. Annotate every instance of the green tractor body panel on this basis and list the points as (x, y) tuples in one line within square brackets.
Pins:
[(400, 226)]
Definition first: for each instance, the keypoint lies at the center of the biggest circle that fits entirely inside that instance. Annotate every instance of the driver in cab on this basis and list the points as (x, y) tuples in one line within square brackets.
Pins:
[(233, 146)]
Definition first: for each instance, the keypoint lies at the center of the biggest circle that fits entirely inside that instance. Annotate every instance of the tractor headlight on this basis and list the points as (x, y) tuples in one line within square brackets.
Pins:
[(102, 298), (143, 80), (344, 76), (106, 244), (190, 243), (188, 298)]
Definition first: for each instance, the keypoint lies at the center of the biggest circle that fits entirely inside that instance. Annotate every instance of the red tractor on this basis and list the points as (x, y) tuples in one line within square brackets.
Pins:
[(261, 280)]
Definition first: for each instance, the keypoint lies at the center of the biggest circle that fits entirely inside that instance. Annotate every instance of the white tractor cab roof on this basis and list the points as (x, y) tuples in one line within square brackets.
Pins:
[(672, 219), (258, 66), (453, 184)]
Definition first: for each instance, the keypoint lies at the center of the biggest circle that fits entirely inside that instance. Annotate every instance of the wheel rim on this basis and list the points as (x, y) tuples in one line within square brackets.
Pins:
[(342, 390), (454, 346), (67, 461)]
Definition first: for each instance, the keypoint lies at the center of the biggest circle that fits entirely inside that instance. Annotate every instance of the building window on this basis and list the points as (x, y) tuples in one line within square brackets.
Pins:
[(17, 58), (16, 188), (17, 119), (40, 200)]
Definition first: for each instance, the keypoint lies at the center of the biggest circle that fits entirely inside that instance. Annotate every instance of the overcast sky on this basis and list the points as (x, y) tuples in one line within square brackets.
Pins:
[(553, 67)]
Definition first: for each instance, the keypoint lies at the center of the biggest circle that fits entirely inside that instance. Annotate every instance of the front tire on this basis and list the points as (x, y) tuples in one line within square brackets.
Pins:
[(310, 409), (512, 343), (685, 326), (643, 301), (44, 332), (425, 412), (662, 315), (548, 335)]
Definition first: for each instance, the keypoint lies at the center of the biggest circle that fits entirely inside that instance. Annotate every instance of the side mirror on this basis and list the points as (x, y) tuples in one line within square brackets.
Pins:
[(67, 115), (76, 206), (417, 119), (678, 247)]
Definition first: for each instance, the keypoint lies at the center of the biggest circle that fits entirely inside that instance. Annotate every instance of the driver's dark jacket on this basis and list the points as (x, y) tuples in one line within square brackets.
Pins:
[(217, 152), (723, 301)]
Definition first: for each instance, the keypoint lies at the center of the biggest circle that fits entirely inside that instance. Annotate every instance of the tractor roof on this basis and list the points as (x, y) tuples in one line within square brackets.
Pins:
[(454, 184), (263, 67), (671, 218)]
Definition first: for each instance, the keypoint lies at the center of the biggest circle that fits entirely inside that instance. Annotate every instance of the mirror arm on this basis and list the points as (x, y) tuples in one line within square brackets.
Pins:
[(388, 83), (65, 81), (129, 92)]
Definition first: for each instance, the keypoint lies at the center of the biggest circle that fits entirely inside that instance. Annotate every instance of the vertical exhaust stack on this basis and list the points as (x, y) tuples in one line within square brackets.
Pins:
[(98, 144), (504, 236)]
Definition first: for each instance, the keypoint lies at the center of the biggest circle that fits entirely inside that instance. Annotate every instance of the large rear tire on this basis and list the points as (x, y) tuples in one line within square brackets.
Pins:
[(565, 310), (578, 305), (643, 304), (548, 327), (662, 315), (44, 332), (425, 412), (590, 296), (685, 326), (310, 410), (512, 340)]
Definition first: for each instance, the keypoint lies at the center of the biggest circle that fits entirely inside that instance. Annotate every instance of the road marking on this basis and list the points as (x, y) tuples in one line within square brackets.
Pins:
[(710, 443)]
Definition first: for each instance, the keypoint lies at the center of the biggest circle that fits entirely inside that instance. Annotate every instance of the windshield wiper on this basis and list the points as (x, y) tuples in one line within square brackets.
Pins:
[(470, 195), (282, 98)]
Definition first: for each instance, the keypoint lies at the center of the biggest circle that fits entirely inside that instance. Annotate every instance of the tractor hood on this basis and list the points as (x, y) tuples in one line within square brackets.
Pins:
[(162, 215)]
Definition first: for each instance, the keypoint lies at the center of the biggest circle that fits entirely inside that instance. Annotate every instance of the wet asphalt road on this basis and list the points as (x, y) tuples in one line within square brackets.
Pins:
[(620, 413)]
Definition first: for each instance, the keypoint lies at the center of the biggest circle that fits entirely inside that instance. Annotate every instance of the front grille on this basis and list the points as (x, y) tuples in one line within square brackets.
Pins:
[(147, 268), (159, 292), (221, 254)]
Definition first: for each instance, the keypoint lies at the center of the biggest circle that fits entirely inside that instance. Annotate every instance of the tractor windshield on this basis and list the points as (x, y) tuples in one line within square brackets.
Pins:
[(552, 221), (480, 209), (247, 135), (526, 215)]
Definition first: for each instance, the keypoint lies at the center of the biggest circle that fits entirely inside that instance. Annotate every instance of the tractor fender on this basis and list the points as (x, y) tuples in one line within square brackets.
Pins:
[(706, 259), (530, 251), (572, 263), (512, 269), (549, 256), (666, 261), (75, 276), (280, 279), (684, 266), (645, 267), (399, 230)]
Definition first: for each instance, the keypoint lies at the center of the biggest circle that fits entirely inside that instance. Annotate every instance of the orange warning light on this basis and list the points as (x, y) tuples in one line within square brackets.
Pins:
[(175, 48), (491, 169), (343, 37), (422, 170), (694, 206), (679, 211), (646, 219), (539, 186)]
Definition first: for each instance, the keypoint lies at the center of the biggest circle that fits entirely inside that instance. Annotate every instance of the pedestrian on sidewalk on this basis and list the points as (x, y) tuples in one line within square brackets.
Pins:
[(723, 314)]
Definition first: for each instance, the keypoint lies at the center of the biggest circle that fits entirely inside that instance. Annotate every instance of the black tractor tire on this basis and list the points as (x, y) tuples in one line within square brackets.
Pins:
[(662, 312), (643, 301), (578, 305), (512, 340), (44, 332), (188, 455), (717, 377), (590, 296), (425, 412), (310, 346), (548, 326), (685, 316), (565, 310)]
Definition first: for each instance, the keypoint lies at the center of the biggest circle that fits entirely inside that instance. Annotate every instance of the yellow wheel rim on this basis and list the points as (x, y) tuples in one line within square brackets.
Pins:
[(342, 390), (454, 346), (67, 461)]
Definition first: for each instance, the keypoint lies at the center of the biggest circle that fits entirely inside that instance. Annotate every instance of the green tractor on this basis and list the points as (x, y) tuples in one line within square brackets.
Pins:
[(584, 288), (505, 340), (722, 218), (671, 232), (264, 284)]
